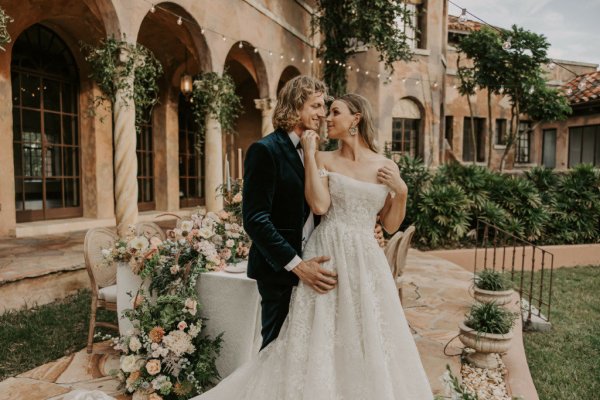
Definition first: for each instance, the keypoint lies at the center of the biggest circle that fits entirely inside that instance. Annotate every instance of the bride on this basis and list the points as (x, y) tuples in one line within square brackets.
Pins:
[(353, 342)]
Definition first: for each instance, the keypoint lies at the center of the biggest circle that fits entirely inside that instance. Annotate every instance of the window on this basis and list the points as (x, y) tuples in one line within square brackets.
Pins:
[(523, 143), (191, 161), (549, 148), (449, 129), (501, 133), (468, 151), (405, 135), (584, 145), (417, 35), (47, 169), (145, 159)]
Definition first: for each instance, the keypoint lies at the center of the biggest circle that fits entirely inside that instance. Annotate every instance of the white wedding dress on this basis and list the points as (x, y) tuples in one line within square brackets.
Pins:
[(352, 343)]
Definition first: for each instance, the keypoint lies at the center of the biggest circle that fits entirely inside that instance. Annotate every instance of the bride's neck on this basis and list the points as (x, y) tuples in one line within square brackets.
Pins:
[(353, 150)]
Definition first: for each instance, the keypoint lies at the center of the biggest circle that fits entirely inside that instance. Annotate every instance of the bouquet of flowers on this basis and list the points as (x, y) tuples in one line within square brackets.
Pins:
[(131, 249)]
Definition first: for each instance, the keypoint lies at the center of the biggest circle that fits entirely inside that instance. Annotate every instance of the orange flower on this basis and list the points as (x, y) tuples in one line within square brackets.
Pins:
[(156, 334)]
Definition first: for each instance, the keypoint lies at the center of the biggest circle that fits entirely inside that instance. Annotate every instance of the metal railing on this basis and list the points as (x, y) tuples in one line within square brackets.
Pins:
[(529, 267)]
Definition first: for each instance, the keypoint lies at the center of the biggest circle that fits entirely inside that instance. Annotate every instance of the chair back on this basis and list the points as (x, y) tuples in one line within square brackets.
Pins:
[(97, 239), (402, 252), (391, 248), (150, 230)]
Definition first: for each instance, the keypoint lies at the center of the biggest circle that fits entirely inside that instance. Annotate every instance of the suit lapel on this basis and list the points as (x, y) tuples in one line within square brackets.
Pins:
[(291, 154)]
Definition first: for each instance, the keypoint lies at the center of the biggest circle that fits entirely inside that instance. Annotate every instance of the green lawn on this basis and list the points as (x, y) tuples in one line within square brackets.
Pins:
[(30, 338), (565, 362)]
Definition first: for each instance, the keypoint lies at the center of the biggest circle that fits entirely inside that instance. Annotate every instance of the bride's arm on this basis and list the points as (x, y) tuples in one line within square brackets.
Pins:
[(394, 210), (316, 188)]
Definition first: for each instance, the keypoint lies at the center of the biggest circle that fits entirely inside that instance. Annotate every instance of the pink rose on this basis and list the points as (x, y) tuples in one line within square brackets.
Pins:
[(182, 325)]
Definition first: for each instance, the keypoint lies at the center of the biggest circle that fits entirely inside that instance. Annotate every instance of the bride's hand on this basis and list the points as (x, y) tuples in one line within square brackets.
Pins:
[(310, 142), (391, 178)]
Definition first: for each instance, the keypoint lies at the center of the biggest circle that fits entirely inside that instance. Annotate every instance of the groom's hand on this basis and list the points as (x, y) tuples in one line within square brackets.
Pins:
[(315, 276)]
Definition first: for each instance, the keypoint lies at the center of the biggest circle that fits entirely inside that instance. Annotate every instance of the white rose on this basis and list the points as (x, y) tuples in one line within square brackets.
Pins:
[(206, 232), (139, 243), (134, 344), (187, 226), (153, 367), (129, 363), (229, 243)]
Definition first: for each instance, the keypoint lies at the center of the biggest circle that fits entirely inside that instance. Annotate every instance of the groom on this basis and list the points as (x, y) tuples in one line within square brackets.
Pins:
[(276, 215)]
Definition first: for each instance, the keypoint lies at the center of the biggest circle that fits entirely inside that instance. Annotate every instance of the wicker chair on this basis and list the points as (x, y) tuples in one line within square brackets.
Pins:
[(396, 252), (150, 230), (103, 278)]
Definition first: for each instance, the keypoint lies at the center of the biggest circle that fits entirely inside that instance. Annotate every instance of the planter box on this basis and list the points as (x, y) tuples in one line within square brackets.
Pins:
[(484, 345)]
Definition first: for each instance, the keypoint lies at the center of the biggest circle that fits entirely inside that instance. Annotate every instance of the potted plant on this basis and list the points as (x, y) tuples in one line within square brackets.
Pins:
[(487, 329), (492, 286)]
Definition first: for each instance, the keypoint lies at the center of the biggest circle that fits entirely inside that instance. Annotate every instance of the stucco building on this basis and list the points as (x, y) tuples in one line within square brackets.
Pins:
[(63, 169)]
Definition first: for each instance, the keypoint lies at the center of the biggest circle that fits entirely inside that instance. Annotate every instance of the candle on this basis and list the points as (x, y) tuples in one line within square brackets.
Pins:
[(227, 175), (239, 163)]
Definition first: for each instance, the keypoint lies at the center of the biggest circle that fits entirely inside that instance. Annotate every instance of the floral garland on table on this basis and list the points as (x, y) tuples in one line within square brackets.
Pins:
[(4, 35), (165, 357)]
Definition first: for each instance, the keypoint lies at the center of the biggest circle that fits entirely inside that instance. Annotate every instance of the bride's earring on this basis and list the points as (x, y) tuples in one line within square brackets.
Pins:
[(353, 130)]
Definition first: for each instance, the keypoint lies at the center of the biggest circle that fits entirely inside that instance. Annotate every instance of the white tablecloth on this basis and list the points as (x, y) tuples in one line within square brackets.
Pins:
[(231, 303)]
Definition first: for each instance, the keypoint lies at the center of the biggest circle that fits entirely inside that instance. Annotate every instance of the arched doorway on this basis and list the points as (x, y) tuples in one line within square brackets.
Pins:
[(45, 92), (181, 49), (288, 73), (407, 127), (248, 72)]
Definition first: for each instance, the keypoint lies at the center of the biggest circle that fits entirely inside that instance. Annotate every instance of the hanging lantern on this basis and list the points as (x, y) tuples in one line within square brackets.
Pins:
[(185, 84)]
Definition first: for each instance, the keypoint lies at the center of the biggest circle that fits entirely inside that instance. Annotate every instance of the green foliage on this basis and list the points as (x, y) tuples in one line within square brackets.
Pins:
[(4, 35), (488, 279), (112, 62), (443, 217), (457, 390), (575, 211), (373, 23), (490, 318), (416, 176), (215, 94)]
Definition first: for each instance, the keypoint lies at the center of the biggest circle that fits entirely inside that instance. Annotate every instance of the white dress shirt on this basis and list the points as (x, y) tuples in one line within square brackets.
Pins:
[(309, 225)]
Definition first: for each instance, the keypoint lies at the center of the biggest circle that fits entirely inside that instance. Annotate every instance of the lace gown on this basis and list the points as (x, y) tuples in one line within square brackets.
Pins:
[(352, 343)]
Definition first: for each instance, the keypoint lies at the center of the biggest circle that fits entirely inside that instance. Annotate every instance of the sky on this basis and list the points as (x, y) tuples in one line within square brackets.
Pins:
[(571, 26)]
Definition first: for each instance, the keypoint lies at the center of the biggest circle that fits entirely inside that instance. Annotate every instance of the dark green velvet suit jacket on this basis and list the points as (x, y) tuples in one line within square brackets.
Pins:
[(274, 208)]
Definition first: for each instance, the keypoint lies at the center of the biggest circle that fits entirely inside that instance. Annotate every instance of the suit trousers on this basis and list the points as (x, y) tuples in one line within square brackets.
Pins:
[(275, 304)]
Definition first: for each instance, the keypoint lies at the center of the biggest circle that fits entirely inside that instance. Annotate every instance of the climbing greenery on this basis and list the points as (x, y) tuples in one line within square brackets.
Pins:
[(4, 35), (347, 26), (112, 61), (215, 94)]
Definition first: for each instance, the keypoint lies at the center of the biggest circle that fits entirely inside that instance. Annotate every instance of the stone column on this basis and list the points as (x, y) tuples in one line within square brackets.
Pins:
[(213, 163), (266, 107), (126, 188), (8, 220)]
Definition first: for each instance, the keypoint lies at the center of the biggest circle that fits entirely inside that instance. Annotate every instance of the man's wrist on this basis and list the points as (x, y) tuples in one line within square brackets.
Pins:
[(293, 263)]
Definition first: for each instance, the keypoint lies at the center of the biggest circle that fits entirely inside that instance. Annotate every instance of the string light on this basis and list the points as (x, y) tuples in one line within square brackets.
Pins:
[(241, 45), (463, 16), (256, 50), (582, 84), (270, 53), (179, 21), (152, 9)]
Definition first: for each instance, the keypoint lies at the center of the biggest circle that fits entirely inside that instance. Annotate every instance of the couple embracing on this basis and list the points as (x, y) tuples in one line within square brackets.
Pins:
[(332, 324)]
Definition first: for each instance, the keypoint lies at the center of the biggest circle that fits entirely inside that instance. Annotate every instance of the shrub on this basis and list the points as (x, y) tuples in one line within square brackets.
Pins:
[(490, 318), (488, 279), (443, 215), (417, 177)]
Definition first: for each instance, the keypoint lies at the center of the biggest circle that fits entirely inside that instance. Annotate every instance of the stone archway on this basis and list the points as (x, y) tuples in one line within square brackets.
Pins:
[(288, 73), (71, 21), (249, 74), (177, 166)]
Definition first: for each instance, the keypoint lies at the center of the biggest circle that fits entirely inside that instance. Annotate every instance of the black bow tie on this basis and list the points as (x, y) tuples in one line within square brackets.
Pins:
[(299, 146)]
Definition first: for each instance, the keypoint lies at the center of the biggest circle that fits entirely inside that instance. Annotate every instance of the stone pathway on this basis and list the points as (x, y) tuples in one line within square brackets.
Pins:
[(435, 300)]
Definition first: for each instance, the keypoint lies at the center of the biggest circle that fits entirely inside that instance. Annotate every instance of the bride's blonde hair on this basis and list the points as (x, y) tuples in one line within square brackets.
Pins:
[(357, 104)]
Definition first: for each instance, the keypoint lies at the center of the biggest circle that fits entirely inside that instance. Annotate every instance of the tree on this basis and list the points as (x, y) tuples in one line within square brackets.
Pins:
[(379, 24), (510, 62)]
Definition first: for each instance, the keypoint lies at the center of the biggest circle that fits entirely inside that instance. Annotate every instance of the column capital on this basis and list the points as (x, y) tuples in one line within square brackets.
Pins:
[(266, 104)]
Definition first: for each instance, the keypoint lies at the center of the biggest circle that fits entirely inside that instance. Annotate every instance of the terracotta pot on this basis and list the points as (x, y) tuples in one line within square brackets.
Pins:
[(488, 296), (484, 345)]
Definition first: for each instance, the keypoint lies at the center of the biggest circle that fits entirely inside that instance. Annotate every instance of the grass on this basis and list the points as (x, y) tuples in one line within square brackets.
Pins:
[(29, 338), (565, 362)]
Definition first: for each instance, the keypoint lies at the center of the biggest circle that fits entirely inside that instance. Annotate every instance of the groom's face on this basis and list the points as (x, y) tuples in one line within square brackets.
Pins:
[(312, 112)]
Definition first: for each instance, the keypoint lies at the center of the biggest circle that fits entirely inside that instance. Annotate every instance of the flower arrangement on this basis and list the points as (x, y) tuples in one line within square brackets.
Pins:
[(232, 199), (165, 357)]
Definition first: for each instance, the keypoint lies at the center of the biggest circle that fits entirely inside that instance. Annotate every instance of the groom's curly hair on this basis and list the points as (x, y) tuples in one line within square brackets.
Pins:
[(292, 97)]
